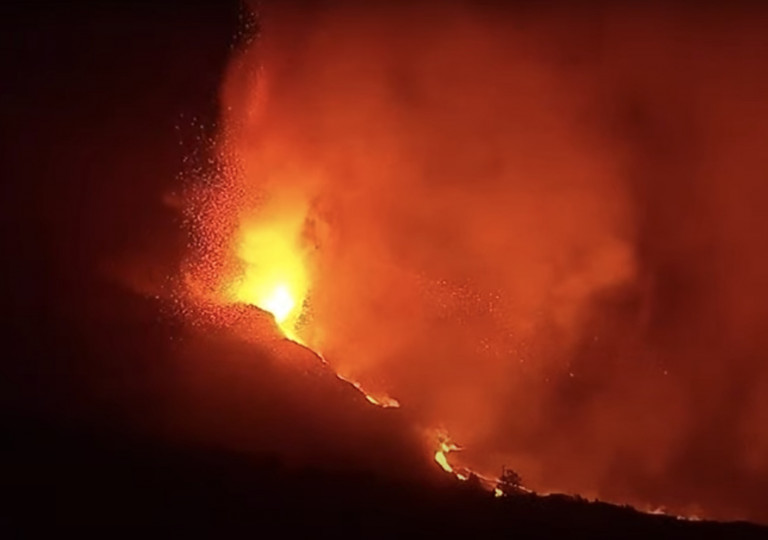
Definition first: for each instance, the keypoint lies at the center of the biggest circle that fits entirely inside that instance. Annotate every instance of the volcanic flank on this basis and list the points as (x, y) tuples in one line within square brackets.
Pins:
[(273, 396)]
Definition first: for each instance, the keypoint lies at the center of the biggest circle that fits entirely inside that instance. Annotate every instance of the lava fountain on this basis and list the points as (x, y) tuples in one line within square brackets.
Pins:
[(275, 274), (276, 259)]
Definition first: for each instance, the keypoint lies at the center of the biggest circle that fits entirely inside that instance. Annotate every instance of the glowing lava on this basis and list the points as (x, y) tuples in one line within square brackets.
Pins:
[(445, 447), (280, 302), (441, 455), (383, 401), (275, 274), (276, 278)]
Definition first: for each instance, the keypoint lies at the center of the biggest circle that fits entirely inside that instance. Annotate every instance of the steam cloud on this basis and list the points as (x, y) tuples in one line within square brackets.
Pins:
[(542, 230)]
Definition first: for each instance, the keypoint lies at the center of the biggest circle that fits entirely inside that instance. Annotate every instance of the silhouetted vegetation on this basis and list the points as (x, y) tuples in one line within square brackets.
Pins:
[(510, 482)]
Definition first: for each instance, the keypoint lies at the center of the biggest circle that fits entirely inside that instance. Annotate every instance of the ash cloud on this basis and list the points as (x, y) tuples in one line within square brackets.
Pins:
[(539, 229)]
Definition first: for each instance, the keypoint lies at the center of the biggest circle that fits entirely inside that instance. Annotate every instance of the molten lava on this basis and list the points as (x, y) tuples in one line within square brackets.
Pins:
[(275, 276), (441, 455)]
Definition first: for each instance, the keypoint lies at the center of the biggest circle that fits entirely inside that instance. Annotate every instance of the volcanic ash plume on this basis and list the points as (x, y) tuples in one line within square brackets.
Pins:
[(491, 217)]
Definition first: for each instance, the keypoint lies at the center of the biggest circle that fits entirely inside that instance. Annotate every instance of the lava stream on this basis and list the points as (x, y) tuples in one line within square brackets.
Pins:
[(441, 455)]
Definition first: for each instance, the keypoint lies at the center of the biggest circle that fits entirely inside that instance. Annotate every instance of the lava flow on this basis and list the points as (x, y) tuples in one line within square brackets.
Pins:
[(441, 455)]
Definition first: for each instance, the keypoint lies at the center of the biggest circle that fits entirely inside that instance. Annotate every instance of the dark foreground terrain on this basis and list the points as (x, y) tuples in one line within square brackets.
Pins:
[(71, 479)]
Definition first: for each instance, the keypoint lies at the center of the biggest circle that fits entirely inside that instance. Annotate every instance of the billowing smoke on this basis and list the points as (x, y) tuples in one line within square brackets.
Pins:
[(541, 230)]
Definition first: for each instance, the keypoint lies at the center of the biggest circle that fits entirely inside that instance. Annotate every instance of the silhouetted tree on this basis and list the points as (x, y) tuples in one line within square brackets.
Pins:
[(509, 482)]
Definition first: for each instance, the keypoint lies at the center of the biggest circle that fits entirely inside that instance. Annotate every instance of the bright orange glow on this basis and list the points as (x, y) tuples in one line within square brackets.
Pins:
[(383, 401), (441, 455), (275, 276), (280, 302), (443, 461)]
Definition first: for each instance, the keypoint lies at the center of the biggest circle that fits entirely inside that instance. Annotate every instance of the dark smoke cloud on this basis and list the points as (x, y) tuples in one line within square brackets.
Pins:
[(544, 229)]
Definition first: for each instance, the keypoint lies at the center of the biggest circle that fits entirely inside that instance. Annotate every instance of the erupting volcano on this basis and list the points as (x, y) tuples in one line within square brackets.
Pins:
[(461, 268), (376, 267), (429, 199)]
